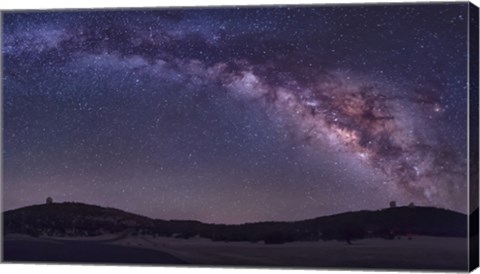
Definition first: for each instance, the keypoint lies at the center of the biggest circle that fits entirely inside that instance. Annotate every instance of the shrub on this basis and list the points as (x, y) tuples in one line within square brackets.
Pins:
[(276, 237)]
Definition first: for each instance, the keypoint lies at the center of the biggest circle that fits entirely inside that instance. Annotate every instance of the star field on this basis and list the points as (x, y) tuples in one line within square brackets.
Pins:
[(234, 115)]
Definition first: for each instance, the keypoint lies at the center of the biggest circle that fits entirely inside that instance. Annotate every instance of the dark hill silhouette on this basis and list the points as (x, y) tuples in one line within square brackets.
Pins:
[(74, 218), (77, 219)]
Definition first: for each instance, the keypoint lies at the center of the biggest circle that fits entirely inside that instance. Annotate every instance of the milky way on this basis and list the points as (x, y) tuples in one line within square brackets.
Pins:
[(237, 115)]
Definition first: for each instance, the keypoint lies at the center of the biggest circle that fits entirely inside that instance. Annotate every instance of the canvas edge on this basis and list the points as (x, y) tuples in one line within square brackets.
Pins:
[(473, 134), (1, 136)]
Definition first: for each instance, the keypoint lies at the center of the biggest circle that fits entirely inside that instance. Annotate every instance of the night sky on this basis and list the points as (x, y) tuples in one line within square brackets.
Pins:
[(237, 115)]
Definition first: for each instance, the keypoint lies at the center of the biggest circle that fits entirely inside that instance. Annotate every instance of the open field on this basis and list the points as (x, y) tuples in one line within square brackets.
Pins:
[(45, 250), (418, 253)]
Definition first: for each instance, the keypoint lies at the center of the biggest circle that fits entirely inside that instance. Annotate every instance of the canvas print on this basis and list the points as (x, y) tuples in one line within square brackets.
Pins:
[(316, 136)]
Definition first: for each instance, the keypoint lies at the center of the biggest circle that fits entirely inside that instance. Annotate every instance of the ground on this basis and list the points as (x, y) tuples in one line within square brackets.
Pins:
[(417, 253)]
